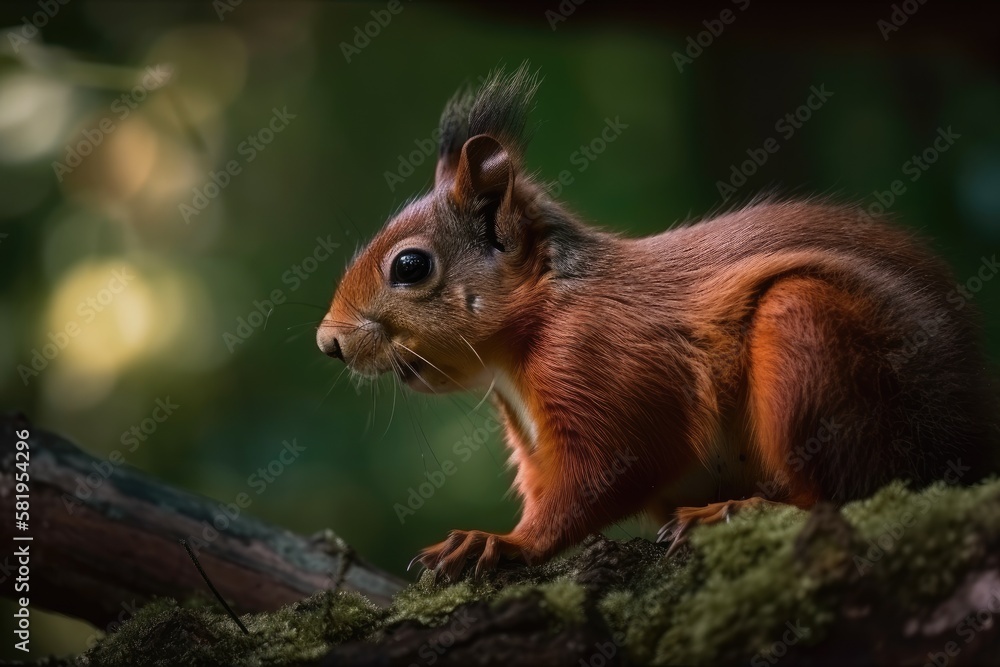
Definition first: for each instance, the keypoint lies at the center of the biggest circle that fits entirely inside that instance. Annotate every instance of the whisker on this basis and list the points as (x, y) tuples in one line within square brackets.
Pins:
[(418, 375), (295, 337), (473, 350), (353, 224), (300, 303), (395, 383), (299, 326), (466, 412), (321, 325), (493, 383), (327, 323), (330, 390), (371, 413), (371, 341), (355, 310), (398, 359), (416, 429), (457, 383), (463, 408), (429, 448)]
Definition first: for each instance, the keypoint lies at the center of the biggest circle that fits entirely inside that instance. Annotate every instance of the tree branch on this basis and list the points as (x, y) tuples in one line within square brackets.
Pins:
[(106, 540)]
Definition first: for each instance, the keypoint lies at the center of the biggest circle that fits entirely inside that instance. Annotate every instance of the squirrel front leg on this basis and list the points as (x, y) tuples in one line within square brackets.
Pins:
[(560, 509)]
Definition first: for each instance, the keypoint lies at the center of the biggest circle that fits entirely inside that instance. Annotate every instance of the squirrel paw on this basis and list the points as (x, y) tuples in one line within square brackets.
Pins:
[(676, 530), (450, 558)]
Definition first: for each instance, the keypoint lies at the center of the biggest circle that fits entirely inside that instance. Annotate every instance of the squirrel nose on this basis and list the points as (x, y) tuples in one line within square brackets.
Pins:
[(327, 342)]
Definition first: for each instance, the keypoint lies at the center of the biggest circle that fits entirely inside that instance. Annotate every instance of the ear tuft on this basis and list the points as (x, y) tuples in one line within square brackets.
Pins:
[(498, 108)]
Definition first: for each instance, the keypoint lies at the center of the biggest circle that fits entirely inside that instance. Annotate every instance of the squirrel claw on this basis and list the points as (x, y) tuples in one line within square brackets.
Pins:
[(676, 530), (415, 560), (450, 558)]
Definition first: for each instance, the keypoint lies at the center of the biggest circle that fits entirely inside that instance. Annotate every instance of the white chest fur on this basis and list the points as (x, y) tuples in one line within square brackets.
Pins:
[(511, 395)]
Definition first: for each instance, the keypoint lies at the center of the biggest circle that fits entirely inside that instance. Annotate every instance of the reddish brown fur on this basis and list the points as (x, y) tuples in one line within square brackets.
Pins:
[(679, 369)]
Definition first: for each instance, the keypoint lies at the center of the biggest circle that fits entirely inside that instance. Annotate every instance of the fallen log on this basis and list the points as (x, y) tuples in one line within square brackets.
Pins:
[(106, 540)]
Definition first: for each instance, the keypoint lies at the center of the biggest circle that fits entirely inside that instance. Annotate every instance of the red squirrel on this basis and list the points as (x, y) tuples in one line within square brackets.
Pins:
[(797, 348)]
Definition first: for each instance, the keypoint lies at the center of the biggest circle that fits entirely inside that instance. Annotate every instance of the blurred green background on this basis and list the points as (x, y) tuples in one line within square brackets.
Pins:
[(324, 175)]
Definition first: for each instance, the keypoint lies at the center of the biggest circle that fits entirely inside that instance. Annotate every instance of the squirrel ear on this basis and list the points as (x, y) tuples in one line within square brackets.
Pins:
[(484, 169), (485, 172)]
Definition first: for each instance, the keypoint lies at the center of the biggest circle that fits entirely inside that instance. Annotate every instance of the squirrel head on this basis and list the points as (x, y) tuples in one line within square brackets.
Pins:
[(431, 294)]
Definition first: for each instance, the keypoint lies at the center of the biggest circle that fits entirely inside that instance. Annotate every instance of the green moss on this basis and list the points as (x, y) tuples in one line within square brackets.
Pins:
[(748, 586), (921, 544), (165, 633), (750, 580), (645, 610), (430, 604), (565, 599), (734, 593)]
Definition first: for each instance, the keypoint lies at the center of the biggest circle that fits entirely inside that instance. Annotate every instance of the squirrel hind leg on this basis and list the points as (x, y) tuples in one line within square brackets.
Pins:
[(716, 512), (822, 399), (676, 531)]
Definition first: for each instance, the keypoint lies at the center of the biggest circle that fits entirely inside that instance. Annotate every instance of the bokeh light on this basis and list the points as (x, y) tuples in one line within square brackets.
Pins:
[(35, 111)]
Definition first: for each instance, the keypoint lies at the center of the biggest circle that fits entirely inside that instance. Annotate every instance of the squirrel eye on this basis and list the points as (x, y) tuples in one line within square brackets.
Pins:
[(410, 266)]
